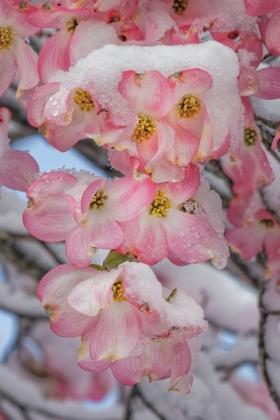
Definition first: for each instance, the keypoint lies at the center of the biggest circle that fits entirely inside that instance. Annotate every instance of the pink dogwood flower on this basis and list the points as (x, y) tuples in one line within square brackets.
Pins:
[(169, 342), (269, 25), (260, 231), (16, 167), (113, 310), (169, 228), (55, 54), (249, 155), (189, 117), (15, 54), (84, 210), (172, 124), (66, 116)]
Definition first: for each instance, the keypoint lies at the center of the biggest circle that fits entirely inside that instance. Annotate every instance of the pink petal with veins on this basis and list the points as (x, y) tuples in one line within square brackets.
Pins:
[(56, 16), (185, 189), (17, 169), (85, 361), (93, 294), (145, 239), (36, 107), (53, 290), (129, 196), (102, 232), (149, 93), (272, 34), (47, 216), (8, 69), (191, 239), (117, 332), (260, 7), (154, 362), (5, 116), (269, 83), (184, 149), (56, 47), (194, 81), (181, 363), (26, 64), (246, 241), (17, 21)]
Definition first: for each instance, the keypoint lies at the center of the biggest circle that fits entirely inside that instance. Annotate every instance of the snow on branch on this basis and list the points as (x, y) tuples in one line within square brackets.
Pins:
[(26, 395)]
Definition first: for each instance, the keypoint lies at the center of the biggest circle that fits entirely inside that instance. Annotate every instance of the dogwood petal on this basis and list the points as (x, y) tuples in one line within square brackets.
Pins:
[(246, 241), (8, 70), (260, 7), (56, 47), (117, 332), (184, 149), (93, 294), (26, 64), (103, 232), (154, 362), (181, 363), (145, 239), (47, 216), (85, 361), (191, 239), (18, 22), (53, 290), (185, 189), (88, 194), (36, 106), (17, 169), (269, 83), (272, 34), (149, 93), (194, 81), (5, 116), (63, 138), (55, 16), (129, 196)]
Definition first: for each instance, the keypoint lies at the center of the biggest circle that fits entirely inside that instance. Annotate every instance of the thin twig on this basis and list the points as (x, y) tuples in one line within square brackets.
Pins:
[(263, 355)]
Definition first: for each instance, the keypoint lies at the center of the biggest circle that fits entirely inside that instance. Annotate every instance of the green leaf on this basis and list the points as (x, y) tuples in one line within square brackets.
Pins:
[(114, 259), (98, 267)]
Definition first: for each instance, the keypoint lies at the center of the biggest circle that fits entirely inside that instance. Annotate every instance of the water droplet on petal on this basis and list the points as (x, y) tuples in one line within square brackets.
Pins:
[(51, 99), (55, 102), (55, 112)]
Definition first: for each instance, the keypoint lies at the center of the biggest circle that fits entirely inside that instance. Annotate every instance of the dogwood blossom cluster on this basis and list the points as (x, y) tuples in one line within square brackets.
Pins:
[(174, 90)]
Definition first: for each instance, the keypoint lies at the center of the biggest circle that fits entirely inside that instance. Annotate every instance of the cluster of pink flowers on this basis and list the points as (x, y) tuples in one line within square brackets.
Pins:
[(127, 321), (159, 128)]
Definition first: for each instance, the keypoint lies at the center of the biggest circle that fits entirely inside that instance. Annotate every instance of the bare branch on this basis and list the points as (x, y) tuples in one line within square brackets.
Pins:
[(263, 355)]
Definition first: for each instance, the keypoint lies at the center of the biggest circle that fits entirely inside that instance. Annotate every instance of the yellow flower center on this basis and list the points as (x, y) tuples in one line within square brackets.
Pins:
[(83, 99), (98, 201), (71, 25), (118, 292), (144, 129), (161, 205), (268, 223), (6, 37), (188, 106), (250, 136), (179, 6)]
